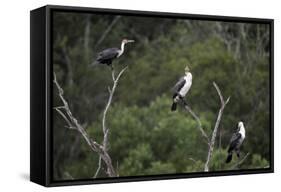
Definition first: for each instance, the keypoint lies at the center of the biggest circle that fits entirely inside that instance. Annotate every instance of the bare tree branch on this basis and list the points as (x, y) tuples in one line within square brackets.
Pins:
[(111, 93), (68, 64), (241, 161), (211, 142), (87, 32), (220, 149), (193, 160), (214, 135), (74, 124), (110, 26), (99, 167), (198, 122), (109, 101), (73, 121), (65, 118)]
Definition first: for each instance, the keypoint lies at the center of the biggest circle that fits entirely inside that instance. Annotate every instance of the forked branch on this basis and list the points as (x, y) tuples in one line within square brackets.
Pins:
[(214, 134), (105, 129), (210, 142), (73, 123)]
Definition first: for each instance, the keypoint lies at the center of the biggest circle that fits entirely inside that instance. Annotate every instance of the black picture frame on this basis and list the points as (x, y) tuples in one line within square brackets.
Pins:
[(41, 95)]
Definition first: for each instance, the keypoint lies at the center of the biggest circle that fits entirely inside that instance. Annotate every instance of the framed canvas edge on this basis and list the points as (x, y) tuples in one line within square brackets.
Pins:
[(159, 14), (37, 101), (49, 95), (159, 177), (49, 182)]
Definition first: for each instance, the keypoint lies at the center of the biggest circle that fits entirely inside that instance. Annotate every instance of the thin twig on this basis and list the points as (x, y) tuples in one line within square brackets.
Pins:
[(220, 149), (111, 93), (65, 118), (74, 124), (110, 26), (193, 160), (241, 161), (87, 34), (109, 101), (99, 167), (73, 121), (214, 135), (198, 121)]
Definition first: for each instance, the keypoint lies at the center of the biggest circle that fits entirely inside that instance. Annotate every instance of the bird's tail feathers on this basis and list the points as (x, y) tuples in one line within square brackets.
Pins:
[(174, 106), (229, 158)]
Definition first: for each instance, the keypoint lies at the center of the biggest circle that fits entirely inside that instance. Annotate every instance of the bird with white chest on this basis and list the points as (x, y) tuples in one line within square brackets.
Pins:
[(236, 141), (181, 88)]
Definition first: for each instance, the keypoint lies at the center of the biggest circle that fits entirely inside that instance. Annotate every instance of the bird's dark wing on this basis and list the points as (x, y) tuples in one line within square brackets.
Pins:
[(234, 141), (108, 54), (179, 84)]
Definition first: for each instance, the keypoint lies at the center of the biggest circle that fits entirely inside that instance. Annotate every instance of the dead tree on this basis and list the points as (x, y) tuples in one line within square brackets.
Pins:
[(210, 142), (105, 129), (72, 123), (214, 135)]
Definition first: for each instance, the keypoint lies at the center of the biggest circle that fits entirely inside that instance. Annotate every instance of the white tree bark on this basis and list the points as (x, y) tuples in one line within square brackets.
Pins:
[(214, 135), (109, 101), (198, 122), (72, 123), (210, 142)]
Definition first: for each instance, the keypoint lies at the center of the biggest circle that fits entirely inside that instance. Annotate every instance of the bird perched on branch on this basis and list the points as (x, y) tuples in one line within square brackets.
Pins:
[(108, 55), (236, 142), (181, 88)]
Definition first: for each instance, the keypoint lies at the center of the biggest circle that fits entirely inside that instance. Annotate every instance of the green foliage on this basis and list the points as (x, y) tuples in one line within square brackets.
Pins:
[(158, 167), (138, 159), (194, 166), (258, 162), (145, 137)]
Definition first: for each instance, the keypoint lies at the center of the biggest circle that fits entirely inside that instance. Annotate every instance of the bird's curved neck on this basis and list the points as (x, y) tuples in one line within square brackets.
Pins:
[(122, 49), (242, 131)]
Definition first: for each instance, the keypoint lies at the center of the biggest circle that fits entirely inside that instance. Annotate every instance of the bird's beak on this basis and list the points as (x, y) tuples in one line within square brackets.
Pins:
[(130, 41)]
